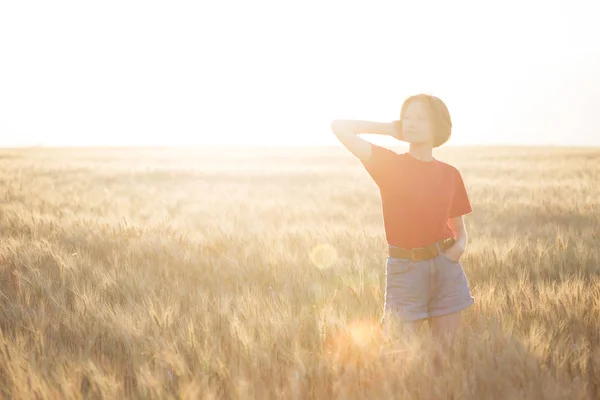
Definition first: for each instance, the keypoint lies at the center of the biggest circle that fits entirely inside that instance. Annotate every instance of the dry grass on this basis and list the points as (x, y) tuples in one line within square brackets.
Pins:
[(162, 273)]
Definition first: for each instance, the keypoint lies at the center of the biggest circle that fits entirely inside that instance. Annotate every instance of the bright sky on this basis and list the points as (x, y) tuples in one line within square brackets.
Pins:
[(277, 72)]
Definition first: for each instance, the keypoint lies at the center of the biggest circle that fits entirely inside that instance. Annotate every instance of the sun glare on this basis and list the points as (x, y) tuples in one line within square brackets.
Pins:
[(207, 73)]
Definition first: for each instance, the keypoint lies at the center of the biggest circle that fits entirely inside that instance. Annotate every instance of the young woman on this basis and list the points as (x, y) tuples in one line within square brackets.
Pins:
[(423, 202)]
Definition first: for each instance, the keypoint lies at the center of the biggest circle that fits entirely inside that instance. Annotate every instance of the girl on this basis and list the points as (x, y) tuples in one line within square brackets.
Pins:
[(423, 202)]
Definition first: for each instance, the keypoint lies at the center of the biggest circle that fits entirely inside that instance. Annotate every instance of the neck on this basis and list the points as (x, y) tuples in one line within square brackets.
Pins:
[(422, 152)]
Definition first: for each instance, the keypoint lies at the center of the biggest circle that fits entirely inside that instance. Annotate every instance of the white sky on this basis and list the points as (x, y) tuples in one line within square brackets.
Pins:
[(277, 72)]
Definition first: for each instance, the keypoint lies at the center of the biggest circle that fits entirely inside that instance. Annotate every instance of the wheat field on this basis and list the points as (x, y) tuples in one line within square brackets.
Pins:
[(259, 274)]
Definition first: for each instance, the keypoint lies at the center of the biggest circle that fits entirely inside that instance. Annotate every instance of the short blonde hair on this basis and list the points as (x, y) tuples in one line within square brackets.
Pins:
[(438, 114)]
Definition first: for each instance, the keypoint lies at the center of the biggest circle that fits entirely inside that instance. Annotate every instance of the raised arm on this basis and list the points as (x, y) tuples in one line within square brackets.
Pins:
[(347, 132)]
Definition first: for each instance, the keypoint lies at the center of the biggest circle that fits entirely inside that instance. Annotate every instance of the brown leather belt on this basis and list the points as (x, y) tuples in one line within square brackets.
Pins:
[(422, 253)]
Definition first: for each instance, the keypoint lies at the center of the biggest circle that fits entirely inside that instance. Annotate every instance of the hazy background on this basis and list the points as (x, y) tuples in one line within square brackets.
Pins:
[(277, 72)]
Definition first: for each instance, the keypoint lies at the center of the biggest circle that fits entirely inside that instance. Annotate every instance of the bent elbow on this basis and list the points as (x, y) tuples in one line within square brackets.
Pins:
[(339, 128), (335, 126)]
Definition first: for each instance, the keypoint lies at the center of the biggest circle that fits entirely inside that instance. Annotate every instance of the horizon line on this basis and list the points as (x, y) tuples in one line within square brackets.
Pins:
[(283, 146)]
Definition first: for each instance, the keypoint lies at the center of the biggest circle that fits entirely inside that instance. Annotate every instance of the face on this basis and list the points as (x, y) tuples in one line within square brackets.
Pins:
[(416, 124)]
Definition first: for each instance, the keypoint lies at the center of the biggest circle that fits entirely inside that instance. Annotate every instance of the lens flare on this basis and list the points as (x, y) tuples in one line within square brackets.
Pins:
[(358, 340), (363, 333), (323, 255)]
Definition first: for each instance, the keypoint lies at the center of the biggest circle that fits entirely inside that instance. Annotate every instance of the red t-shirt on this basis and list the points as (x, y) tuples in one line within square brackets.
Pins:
[(417, 197)]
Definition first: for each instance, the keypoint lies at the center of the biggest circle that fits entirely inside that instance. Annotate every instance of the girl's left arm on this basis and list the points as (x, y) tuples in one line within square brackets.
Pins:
[(460, 233)]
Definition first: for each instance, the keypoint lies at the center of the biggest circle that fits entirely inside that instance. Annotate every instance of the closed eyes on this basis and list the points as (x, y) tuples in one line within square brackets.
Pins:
[(419, 118)]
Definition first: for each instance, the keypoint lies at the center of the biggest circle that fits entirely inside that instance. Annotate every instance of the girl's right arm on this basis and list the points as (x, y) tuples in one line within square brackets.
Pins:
[(347, 132)]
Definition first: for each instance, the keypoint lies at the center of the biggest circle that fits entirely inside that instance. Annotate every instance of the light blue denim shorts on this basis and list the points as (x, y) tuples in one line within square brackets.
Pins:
[(417, 290)]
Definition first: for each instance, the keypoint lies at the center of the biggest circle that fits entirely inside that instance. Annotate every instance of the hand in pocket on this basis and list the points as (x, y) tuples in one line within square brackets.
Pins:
[(454, 253)]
